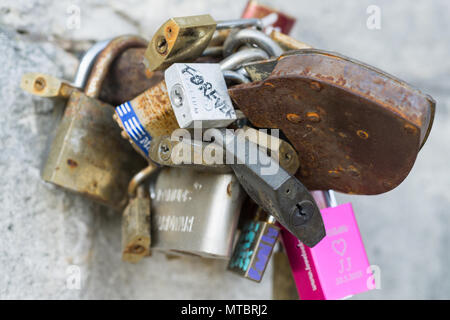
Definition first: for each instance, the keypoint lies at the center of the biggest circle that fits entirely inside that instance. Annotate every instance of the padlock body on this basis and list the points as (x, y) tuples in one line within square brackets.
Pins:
[(337, 267), (88, 155), (254, 249), (198, 92), (356, 129), (180, 39), (195, 213), (147, 116), (136, 230)]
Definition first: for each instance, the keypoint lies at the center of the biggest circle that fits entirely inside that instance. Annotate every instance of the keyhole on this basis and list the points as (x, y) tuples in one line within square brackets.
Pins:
[(161, 45), (39, 84), (302, 212)]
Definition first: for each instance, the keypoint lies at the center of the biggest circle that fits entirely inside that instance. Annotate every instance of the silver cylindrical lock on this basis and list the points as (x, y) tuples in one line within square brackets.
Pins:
[(195, 213)]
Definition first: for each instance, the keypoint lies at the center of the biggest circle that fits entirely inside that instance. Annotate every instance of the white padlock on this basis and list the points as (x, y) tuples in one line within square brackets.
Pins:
[(198, 92)]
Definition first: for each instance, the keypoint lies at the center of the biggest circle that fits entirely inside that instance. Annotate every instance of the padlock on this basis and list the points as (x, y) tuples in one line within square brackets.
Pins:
[(259, 235), (275, 190), (254, 246), (195, 213), (356, 129), (184, 39), (283, 21), (136, 219), (266, 182), (194, 92), (88, 156), (167, 152), (337, 267), (198, 92)]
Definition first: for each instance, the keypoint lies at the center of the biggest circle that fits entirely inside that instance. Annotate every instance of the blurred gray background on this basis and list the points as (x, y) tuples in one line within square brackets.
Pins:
[(43, 230)]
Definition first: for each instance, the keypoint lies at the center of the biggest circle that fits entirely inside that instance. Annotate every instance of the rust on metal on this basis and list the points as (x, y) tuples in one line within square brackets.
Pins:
[(105, 60), (371, 126), (99, 162), (180, 39), (72, 163), (154, 110), (44, 85), (128, 77), (286, 42)]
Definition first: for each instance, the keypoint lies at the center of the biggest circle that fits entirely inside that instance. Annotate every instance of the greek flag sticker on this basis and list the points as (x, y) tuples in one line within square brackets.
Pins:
[(133, 126)]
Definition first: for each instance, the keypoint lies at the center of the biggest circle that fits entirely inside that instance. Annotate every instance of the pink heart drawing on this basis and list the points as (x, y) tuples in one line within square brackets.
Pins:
[(339, 246)]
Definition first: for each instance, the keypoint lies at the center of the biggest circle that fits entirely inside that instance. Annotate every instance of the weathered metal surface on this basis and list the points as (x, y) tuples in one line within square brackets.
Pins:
[(356, 129), (180, 39), (136, 227), (127, 78), (283, 22), (44, 85), (106, 58), (136, 238), (209, 156), (277, 192), (286, 42), (154, 111), (88, 155)]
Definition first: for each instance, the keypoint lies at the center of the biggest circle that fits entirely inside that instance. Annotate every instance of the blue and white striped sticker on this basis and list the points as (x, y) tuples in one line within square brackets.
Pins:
[(133, 126)]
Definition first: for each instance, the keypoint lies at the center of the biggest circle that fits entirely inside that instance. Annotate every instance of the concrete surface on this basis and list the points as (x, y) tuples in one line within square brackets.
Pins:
[(45, 230)]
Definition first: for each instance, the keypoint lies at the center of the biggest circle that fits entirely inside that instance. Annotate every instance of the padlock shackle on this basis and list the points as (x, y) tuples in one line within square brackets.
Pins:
[(240, 23), (104, 60), (239, 38), (235, 77), (86, 63), (237, 59), (139, 178)]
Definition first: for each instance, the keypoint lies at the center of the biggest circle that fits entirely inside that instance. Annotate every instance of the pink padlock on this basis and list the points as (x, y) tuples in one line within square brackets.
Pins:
[(337, 267)]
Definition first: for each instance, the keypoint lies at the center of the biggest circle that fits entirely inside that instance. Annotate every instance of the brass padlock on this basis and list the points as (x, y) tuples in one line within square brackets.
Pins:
[(88, 155), (183, 39), (356, 129), (136, 219)]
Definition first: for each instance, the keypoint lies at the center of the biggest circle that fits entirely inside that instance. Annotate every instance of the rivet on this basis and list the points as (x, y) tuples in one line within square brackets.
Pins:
[(294, 118), (313, 116), (362, 134)]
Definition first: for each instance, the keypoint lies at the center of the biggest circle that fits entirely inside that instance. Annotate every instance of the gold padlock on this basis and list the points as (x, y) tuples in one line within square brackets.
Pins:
[(136, 219), (183, 39), (88, 155)]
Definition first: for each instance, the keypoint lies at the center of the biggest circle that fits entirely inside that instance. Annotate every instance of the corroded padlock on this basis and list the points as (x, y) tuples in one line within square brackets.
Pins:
[(88, 155), (190, 92), (356, 129), (136, 218)]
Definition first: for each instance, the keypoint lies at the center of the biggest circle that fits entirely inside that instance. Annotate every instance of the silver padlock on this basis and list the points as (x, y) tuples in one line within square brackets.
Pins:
[(195, 213), (198, 92)]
